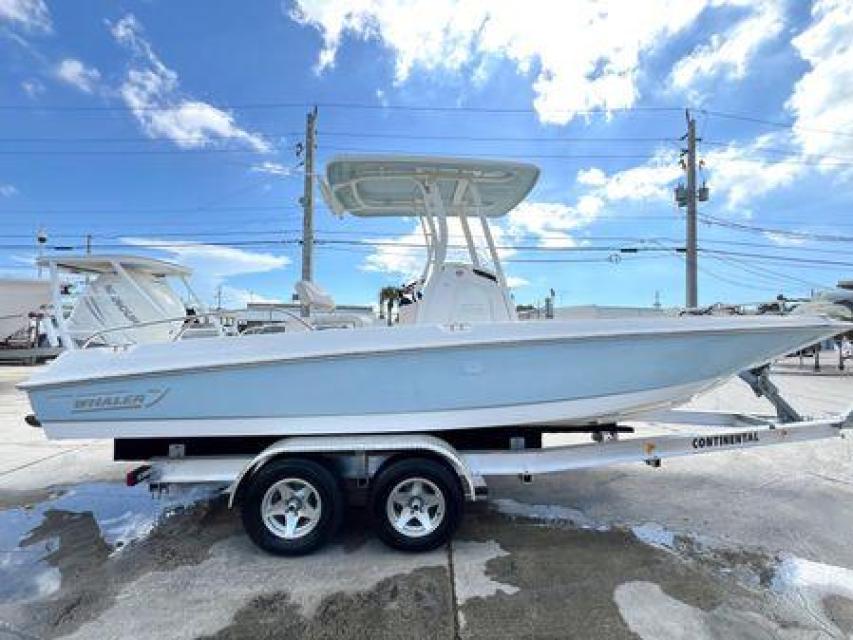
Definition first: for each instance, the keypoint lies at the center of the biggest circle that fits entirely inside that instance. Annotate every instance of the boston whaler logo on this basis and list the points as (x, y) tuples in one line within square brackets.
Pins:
[(727, 440), (126, 400)]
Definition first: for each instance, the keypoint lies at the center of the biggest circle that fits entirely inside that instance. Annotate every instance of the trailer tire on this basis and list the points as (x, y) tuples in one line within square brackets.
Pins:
[(417, 504), (292, 506)]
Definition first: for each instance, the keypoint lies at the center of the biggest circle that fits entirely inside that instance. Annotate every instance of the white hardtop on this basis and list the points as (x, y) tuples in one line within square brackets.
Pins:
[(380, 185), (105, 263), (435, 189)]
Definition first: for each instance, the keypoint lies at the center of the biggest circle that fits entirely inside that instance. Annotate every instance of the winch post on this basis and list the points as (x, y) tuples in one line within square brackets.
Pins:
[(759, 381)]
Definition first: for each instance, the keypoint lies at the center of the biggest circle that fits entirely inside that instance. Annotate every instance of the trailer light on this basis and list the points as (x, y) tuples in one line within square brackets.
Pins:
[(137, 475)]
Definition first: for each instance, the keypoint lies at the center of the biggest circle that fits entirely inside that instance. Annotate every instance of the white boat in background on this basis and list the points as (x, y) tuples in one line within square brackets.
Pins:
[(123, 299), (834, 303), (459, 359), (20, 298)]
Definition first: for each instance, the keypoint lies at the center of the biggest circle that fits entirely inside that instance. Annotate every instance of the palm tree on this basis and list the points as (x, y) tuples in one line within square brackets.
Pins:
[(387, 297)]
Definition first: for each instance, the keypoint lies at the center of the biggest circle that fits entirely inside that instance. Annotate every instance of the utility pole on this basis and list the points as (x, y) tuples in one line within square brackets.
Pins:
[(41, 240), (308, 205), (692, 279)]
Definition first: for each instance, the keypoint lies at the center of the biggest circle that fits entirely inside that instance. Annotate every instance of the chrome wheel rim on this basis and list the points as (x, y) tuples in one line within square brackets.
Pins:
[(291, 508), (415, 507)]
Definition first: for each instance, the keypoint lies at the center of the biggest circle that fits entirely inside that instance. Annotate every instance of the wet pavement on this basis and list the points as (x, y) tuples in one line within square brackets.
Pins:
[(752, 544)]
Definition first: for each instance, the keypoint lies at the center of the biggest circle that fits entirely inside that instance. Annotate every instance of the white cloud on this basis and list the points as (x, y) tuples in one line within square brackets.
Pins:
[(405, 255), (236, 298), (821, 99), (212, 265), (78, 75), (551, 223), (8, 190), (738, 174), (32, 87), (784, 240), (585, 54), (29, 14), (555, 224), (152, 93), (395, 257), (272, 168), (649, 181), (729, 53), (516, 282)]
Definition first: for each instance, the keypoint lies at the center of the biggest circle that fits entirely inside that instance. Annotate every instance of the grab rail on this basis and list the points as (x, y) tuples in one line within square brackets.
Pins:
[(184, 319)]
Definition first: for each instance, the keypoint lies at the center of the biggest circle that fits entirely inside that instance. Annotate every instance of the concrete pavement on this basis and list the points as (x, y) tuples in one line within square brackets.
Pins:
[(737, 545)]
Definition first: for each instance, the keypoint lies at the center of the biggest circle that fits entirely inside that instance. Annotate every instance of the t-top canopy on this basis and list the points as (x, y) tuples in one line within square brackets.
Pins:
[(104, 264), (394, 185)]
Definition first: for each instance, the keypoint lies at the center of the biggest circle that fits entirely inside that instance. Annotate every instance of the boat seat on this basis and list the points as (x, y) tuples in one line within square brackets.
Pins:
[(313, 296)]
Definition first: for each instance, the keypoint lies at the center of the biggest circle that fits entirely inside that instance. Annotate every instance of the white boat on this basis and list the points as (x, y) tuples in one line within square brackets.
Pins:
[(123, 299), (19, 298), (458, 360), (835, 303)]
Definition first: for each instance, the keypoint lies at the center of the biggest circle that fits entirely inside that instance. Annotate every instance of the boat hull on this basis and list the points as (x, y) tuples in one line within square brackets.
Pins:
[(405, 380)]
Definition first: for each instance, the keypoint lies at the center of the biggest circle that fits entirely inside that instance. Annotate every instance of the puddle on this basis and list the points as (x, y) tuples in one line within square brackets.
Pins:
[(23, 577), (812, 596), (471, 576), (655, 535), (235, 574), (653, 614), (815, 577), (550, 513), (109, 514)]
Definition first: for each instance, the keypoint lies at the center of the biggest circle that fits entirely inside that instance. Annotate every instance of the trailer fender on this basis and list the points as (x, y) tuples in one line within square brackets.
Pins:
[(307, 445)]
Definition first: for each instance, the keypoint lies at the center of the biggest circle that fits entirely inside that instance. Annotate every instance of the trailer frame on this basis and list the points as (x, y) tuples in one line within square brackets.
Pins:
[(361, 464), (360, 456)]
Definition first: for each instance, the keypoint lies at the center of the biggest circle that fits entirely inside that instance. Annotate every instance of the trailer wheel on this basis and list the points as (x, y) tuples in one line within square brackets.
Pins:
[(292, 506), (416, 504)]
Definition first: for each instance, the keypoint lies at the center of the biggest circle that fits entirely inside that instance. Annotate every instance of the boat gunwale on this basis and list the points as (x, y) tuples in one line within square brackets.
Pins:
[(504, 342)]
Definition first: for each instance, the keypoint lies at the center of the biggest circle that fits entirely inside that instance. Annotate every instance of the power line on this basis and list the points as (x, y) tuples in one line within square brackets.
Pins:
[(125, 152), (778, 258), (791, 158), (228, 150), (167, 209), (767, 273), (348, 134), (579, 156), (791, 124), (472, 138), (743, 285), (800, 235), (777, 151), (361, 237), (133, 139), (736, 283), (606, 259), (369, 106)]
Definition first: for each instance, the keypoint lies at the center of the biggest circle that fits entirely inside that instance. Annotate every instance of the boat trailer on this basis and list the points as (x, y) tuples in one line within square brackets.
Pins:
[(366, 466)]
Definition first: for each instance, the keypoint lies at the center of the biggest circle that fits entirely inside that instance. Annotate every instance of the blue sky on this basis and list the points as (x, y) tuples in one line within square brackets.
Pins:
[(170, 129)]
